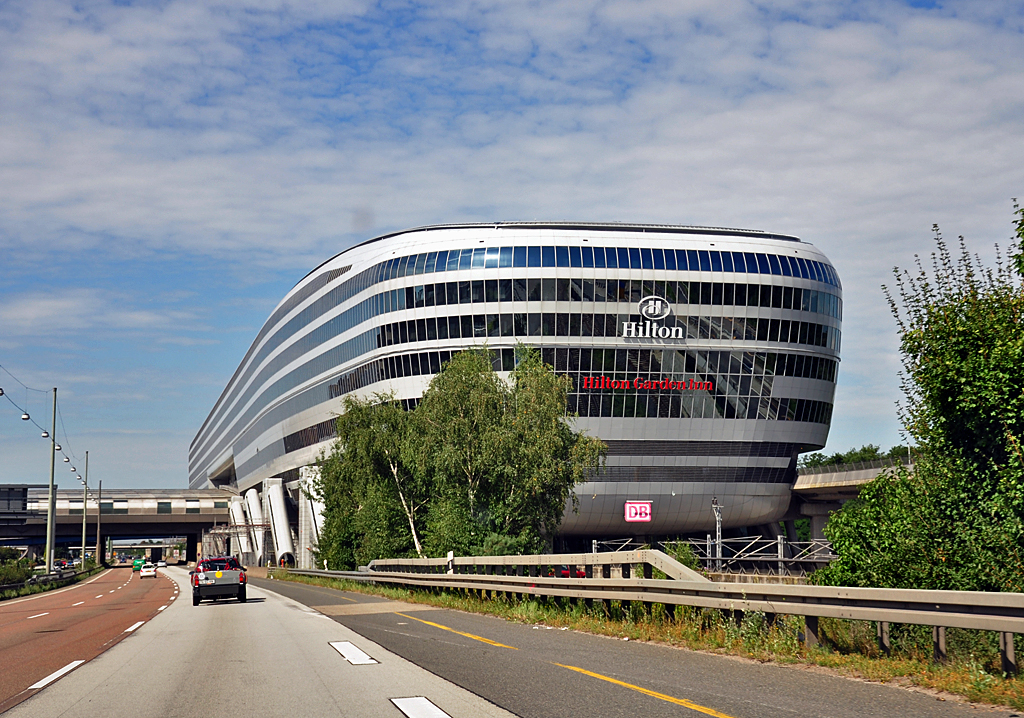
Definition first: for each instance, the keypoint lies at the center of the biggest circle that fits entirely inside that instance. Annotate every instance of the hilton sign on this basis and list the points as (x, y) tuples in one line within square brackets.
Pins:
[(652, 309)]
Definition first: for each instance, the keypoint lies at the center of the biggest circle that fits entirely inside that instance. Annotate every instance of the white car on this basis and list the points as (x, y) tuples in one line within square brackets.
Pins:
[(161, 564), (147, 569)]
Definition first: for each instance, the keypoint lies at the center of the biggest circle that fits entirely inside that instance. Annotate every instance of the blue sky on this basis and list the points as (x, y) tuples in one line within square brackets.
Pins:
[(168, 170)]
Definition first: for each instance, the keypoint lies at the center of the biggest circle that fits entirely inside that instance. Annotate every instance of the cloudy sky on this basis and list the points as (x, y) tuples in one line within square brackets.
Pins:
[(168, 170)]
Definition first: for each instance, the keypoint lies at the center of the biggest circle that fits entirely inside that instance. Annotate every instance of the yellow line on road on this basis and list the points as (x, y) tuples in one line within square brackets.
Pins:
[(467, 635), (654, 694)]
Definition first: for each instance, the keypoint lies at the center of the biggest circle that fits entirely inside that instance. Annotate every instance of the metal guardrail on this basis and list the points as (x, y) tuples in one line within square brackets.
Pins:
[(627, 576), (58, 577)]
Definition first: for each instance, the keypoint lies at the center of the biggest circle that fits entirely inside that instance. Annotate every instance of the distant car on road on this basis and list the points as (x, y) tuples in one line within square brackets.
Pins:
[(221, 577), (147, 569), (138, 563), (161, 564)]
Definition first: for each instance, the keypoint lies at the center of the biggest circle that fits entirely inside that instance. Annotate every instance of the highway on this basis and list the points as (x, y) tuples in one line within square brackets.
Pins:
[(295, 650), (269, 656), (534, 671)]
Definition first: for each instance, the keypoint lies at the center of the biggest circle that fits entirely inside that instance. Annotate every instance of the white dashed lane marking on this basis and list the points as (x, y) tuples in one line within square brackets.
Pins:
[(133, 627), (418, 707), (38, 615), (161, 608), (77, 604), (351, 653), (100, 596), (55, 675)]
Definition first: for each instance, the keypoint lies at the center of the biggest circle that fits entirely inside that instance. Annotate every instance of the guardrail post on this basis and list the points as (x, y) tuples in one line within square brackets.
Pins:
[(939, 644), (882, 631), (1006, 653), (811, 631)]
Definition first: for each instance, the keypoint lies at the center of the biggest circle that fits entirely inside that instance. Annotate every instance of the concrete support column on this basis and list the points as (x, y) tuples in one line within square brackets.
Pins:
[(191, 541)]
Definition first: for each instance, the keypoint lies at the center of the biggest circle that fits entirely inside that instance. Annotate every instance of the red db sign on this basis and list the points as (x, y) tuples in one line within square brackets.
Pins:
[(638, 511)]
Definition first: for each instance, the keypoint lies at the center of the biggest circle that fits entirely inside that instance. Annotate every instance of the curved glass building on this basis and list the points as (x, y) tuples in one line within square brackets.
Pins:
[(705, 358)]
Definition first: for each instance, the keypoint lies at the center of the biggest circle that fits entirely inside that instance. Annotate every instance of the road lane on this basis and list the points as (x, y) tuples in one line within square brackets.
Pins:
[(269, 656), (538, 671), (44, 633)]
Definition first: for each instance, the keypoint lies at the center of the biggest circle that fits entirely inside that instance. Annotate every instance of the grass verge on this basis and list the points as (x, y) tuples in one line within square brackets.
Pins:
[(43, 587), (848, 647)]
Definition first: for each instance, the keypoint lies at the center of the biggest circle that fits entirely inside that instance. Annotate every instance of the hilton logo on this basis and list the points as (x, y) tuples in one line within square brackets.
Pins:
[(652, 309)]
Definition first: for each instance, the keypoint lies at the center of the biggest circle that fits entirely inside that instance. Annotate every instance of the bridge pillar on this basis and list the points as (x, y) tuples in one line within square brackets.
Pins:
[(190, 548), (157, 553)]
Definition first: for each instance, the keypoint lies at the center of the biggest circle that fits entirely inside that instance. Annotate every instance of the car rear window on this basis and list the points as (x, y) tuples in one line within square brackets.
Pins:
[(221, 565)]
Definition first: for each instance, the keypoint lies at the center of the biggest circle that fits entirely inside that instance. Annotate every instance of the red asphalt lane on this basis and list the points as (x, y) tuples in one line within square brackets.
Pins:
[(43, 633)]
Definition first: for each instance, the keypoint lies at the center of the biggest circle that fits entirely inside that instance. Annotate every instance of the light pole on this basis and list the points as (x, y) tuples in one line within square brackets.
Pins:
[(99, 512), (51, 505), (717, 508), (85, 505)]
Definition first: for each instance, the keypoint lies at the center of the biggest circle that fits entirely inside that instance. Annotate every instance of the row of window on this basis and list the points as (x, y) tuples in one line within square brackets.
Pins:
[(484, 326), (495, 290), (500, 257), (480, 291), (588, 257), (563, 324), (727, 370), (722, 367)]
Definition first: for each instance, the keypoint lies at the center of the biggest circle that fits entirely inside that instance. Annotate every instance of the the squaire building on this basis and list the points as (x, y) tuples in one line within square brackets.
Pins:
[(705, 358)]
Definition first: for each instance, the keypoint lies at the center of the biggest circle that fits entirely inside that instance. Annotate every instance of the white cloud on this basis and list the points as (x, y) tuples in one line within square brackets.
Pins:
[(268, 136)]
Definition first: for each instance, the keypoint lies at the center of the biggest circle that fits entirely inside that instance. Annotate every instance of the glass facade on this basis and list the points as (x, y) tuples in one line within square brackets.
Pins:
[(744, 316)]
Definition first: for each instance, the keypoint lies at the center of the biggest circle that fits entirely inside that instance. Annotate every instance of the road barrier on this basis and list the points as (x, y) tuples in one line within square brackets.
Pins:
[(629, 576)]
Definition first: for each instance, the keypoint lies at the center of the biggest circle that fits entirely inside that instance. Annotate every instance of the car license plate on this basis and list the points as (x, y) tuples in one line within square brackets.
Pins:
[(207, 583)]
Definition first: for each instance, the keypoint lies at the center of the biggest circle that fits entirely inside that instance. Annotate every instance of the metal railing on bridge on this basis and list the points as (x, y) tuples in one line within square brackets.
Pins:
[(747, 555)]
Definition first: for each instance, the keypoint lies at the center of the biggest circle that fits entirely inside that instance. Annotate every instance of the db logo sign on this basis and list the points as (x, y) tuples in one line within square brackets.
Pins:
[(638, 511)]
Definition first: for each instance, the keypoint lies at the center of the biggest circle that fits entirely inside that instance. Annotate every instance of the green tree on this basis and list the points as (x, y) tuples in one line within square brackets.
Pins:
[(482, 465), (957, 521)]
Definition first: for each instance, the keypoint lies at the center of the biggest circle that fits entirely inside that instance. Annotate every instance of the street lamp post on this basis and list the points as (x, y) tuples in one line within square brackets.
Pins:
[(51, 506), (99, 512), (85, 505)]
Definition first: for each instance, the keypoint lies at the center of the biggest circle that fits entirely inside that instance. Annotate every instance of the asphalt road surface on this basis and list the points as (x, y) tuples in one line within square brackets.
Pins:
[(43, 633), (532, 671), (270, 656)]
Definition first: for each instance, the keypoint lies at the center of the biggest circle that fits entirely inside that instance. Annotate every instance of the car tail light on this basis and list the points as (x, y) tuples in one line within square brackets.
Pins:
[(241, 577), (195, 580)]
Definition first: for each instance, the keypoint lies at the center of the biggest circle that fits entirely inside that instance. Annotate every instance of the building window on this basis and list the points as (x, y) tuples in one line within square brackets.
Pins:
[(163, 507), (192, 506)]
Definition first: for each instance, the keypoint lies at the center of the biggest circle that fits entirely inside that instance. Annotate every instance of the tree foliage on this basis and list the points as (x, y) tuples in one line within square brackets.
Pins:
[(480, 466), (957, 520)]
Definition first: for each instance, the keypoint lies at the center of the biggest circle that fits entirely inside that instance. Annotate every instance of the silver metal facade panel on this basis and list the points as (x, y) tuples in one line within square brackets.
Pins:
[(331, 334)]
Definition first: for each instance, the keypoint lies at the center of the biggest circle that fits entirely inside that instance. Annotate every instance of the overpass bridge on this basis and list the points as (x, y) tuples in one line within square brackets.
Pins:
[(122, 514), (820, 490)]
